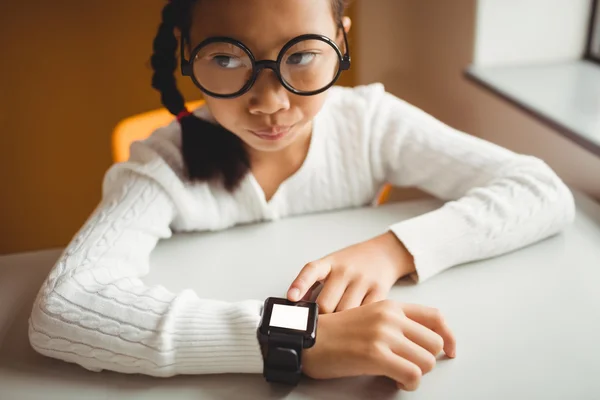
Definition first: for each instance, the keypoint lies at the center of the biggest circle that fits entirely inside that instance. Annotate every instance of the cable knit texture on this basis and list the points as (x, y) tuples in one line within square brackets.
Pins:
[(94, 310)]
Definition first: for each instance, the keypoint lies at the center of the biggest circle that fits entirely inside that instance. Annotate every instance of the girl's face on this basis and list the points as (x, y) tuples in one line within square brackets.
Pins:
[(268, 118)]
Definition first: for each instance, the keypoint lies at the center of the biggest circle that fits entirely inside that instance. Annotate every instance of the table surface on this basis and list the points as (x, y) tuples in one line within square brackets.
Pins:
[(526, 323), (568, 94)]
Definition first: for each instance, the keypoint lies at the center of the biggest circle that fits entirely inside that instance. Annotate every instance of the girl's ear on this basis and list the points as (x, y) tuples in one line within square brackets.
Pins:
[(347, 24)]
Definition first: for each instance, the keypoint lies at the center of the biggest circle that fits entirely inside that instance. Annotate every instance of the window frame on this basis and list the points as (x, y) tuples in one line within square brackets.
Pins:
[(594, 33)]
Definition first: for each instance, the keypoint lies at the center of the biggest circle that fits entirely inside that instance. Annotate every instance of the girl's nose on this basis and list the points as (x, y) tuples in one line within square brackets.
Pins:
[(268, 96)]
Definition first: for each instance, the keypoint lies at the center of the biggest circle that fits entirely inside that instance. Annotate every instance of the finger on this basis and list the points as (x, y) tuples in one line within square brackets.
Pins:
[(373, 296), (313, 291), (422, 336), (352, 298), (432, 318), (311, 273), (414, 353), (406, 374), (332, 292)]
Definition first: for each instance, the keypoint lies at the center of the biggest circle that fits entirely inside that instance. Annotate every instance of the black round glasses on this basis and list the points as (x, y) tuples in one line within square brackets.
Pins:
[(307, 65)]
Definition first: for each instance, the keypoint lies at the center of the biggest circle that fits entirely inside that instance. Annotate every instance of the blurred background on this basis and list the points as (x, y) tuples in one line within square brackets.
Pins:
[(71, 70)]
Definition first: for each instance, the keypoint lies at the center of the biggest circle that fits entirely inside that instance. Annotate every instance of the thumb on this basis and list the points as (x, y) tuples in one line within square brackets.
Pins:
[(311, 273)]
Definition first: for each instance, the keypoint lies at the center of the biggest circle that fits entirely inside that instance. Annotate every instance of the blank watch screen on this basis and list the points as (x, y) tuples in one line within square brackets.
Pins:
[(289, 317)]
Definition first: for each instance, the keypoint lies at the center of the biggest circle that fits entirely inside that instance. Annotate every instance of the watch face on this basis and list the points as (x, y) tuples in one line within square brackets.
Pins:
[(290, 317), (294, 318)]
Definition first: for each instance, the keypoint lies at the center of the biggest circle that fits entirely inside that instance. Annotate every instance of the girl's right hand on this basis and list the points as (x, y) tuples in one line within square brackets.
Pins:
[(397, 340)]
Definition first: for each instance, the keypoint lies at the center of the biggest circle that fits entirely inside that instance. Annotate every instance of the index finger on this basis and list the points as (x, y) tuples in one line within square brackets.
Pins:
[(433, 319), (309, 275)]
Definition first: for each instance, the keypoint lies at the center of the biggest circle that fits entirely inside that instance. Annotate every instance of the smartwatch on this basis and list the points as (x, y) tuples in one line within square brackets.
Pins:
[(286, 328)]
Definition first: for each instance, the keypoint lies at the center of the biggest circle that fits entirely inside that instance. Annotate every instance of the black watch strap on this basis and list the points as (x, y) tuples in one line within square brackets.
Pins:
[(283, 358)]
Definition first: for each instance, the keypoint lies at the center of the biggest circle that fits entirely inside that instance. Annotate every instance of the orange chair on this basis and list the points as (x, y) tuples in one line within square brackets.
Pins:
[(384, 194), (139, 127)]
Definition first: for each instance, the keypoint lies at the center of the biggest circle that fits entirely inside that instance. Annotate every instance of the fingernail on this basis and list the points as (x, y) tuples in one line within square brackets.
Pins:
[(293, 294)]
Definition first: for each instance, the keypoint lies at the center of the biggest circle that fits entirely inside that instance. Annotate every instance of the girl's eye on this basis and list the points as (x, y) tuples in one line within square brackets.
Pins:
[(301, 58), (229, 62)]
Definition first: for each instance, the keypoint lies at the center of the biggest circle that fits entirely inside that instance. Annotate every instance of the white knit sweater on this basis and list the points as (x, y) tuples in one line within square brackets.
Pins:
[(94, 310)]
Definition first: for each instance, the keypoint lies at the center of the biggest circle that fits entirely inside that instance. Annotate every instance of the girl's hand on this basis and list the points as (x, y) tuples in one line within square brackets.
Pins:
[(400, 341), (359, 274)]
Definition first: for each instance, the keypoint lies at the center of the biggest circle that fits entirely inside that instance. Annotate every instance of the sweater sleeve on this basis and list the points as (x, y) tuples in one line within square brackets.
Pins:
[(93, 309), (497, 201)]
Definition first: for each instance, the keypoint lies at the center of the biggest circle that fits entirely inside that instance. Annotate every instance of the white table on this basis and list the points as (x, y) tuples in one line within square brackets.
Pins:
[(527, 323)]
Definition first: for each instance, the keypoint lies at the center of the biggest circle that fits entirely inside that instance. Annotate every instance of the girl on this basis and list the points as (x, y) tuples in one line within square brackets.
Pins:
[(275, 139)]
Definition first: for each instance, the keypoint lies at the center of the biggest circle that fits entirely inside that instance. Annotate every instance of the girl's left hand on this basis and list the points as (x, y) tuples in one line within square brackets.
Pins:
[(359, 274)]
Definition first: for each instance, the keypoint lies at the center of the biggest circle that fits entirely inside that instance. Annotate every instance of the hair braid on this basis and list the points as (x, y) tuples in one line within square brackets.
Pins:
[(210, 152)]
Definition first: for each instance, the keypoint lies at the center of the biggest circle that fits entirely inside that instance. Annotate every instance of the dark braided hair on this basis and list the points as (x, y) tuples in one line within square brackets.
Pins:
[(210, 152)]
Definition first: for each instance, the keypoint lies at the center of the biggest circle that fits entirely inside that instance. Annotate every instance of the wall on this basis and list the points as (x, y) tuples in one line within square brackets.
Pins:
[(419, 50), (69, 71)]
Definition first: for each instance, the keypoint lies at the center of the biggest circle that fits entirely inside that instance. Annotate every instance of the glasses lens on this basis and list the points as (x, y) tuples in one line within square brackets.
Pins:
[(222, 68), (310, 65)]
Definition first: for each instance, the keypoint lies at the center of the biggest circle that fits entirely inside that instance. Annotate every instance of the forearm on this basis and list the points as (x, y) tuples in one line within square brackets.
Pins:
[(404, 260), (524, 205), (94, 310)]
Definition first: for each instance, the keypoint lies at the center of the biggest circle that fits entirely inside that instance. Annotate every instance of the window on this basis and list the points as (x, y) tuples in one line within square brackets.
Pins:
[(593, 52), (553, 83)]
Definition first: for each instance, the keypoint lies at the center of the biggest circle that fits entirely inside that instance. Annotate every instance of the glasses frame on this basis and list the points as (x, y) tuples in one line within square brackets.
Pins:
[(187, 66)]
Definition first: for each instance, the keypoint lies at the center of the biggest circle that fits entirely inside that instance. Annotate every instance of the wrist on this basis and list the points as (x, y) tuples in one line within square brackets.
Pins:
[(312, 357), (402, 259)]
